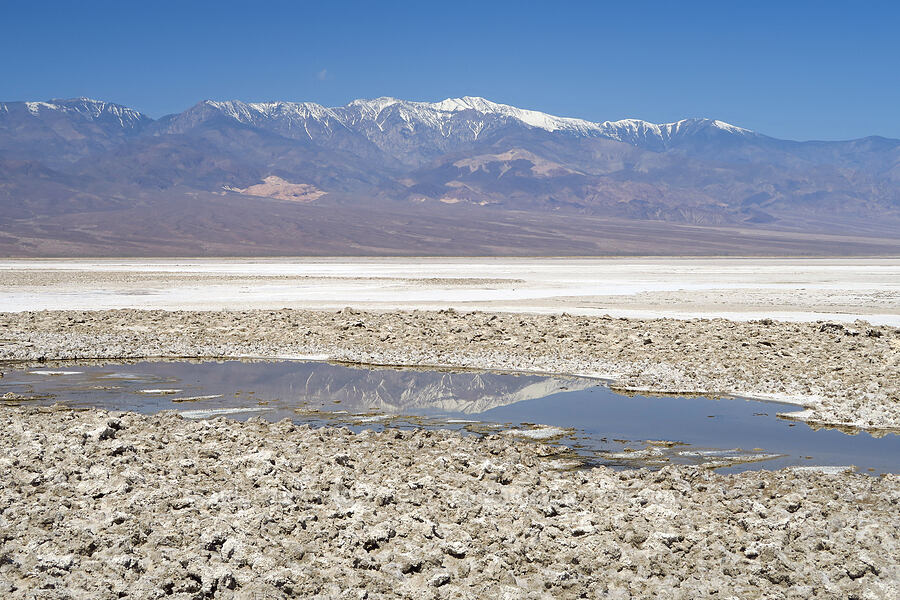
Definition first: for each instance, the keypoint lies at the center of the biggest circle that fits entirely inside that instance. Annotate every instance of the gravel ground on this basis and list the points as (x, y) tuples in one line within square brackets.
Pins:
[(108, 505), (842, 374)]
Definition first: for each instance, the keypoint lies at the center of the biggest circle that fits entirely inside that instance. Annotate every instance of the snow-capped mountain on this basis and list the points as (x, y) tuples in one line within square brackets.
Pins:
[(61, 131), (416, 131), (412, 133), (371, 116), (664, 136), (85, 109), (93, 157)]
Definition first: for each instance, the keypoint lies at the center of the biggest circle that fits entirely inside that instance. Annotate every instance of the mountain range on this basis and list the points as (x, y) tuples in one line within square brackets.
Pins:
[(460, 176)]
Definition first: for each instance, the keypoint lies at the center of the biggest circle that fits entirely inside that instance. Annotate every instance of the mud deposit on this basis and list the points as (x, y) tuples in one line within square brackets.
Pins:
[(100, 505)]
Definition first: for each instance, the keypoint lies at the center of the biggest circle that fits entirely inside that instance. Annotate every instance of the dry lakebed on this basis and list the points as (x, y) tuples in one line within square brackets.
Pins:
[(99, 504)]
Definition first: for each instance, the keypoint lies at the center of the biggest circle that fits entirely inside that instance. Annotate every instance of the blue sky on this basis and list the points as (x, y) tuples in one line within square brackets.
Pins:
[(798, 70)]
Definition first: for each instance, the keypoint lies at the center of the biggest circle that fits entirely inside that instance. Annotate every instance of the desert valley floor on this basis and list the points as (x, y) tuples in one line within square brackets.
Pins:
[(99, 504)]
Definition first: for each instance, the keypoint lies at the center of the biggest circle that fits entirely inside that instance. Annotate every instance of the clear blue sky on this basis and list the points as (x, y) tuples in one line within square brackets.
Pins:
[(798, 70)]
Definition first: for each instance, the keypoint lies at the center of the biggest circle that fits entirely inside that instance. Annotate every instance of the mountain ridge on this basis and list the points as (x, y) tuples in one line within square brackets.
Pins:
[(387, 155), (428, 112), (531, 117), (238, 109)]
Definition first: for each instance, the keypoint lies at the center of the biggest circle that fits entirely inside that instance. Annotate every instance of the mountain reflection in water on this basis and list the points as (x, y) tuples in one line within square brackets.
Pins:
[(596, 422)]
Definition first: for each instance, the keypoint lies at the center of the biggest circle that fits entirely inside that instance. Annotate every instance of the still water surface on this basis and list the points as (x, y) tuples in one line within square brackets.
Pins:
[(600, 425)]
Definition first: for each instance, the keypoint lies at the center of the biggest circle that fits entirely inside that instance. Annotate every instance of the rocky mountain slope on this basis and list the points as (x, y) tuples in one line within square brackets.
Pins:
[(464, 159)]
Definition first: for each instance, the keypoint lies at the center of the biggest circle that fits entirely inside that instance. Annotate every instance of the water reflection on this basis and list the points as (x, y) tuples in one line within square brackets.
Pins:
[(591, 419)]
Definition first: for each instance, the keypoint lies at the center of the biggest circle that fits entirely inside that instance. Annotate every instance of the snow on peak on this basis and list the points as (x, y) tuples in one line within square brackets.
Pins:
[(444, 116), (250, 112), (85, 108), (731, 128), (437, 113), (376, 105), (634, 130), (529, 117), (475, 103), (35, 107)]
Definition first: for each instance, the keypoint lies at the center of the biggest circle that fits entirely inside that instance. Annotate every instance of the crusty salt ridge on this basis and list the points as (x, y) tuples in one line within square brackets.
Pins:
[(102, 505), (843, 375)]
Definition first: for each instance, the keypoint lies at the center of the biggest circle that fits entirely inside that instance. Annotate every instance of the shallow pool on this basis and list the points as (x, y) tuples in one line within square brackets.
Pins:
[(596, 423)]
